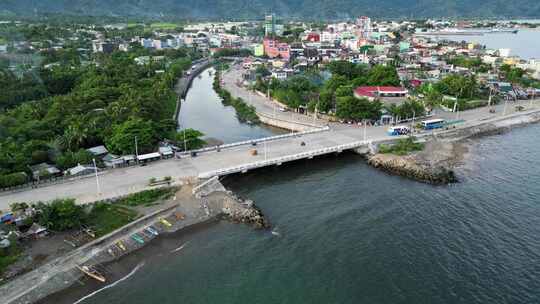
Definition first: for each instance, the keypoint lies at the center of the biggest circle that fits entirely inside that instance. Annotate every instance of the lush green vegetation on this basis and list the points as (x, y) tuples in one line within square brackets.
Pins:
[(191, 138), (403, 146), (60, 214), (147, 197), (79, 106), (244, 112), (335, 94), (472, 63), (519, 76), (352, 108), (408, 109), (105, 218), (316, 10), (16, 90), (232, 53), (458, 88), (9, 255)]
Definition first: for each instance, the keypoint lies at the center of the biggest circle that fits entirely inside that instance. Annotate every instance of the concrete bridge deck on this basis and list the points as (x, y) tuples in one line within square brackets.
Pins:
[(234, 159)]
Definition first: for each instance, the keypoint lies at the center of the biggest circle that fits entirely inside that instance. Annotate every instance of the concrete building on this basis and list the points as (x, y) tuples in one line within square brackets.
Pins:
[(274, 49), (272, 26), (364, 28)]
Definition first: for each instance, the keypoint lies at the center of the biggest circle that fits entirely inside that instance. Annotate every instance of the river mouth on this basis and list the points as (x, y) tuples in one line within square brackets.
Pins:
[(340, 224)]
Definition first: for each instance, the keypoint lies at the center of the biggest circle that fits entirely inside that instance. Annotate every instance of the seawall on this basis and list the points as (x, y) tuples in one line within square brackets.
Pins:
[(444, 150), (184, 83), (286, 124)]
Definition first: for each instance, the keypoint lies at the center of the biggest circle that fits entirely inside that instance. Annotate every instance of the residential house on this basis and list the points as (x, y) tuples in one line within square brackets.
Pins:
[(44, 170), (80, 170), (98, 150)]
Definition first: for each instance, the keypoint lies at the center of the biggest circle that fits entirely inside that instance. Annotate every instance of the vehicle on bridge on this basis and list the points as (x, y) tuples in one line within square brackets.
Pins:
[(398, 130), (433, 124)]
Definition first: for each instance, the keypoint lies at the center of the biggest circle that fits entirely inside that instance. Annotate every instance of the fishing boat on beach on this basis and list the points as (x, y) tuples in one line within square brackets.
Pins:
[(137, 238), (165, 222), (92, 272), (121, 245), (152, 230)]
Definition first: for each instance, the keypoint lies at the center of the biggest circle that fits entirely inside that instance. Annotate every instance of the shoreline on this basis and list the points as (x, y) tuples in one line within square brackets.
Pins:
[(194, 208), (445, 151), (126, 262)]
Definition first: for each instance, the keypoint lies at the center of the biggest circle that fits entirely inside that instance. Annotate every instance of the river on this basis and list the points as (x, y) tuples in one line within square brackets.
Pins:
[(524, 44), (202, 110), (348, 233)]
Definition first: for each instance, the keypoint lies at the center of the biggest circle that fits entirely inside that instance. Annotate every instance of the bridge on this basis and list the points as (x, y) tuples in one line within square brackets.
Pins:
[(232, 158), (240, 157)]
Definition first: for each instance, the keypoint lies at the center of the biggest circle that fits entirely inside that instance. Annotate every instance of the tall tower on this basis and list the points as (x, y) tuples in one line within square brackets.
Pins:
[(270, 25), (363, 24)]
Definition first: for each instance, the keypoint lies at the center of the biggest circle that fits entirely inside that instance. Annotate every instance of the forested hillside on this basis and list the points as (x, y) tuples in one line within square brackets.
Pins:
[(310, 9)]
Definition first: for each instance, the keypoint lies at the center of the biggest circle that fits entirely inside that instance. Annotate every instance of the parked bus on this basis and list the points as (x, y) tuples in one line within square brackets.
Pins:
[(398, 130), (433, 124)]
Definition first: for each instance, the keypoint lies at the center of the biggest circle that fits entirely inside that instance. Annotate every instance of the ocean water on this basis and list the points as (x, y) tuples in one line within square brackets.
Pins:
[(524, 44), (349, 233)]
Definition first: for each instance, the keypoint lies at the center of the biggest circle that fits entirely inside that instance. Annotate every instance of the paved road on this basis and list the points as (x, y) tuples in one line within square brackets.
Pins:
[(262, 105), (128, 180)]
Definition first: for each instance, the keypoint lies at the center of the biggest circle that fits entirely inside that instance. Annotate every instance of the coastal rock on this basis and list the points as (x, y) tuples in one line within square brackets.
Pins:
[(434, 164), (407, 166)]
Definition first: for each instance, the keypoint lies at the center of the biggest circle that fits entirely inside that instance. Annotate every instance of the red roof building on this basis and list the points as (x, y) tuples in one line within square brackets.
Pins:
[(313, 37), (372, 92)]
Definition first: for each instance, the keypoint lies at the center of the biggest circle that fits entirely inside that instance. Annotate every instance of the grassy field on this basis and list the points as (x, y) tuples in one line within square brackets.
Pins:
[(9, 256), (148, 197), (164, 25), (403, 146), (105, 218)]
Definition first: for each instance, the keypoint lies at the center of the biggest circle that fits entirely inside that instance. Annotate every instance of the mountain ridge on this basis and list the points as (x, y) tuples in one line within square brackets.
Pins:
[(304, 9)]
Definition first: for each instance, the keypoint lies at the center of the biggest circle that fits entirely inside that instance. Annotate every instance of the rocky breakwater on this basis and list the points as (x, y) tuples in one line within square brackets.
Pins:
[(434, 164), (244, 211), (216, 199)]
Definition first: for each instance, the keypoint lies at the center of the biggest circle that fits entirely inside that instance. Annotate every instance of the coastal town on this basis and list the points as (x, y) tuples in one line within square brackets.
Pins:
[(94, 155)]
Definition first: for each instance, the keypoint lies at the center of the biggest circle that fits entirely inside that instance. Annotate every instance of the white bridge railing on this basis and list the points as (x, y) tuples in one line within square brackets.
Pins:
[(283, 159), (251, 141)]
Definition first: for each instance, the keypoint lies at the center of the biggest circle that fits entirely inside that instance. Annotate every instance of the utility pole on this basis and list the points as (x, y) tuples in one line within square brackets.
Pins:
[(185, 143), (136, 149), (97, 178)]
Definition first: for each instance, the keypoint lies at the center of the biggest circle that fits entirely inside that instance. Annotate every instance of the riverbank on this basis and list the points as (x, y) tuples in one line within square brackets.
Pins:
[(446, 150), (190, 206)]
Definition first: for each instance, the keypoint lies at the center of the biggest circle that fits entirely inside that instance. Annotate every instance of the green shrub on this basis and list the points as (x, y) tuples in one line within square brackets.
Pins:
[(105, 218), (401, 147), (13, 179), (60, 214), (147, 197)]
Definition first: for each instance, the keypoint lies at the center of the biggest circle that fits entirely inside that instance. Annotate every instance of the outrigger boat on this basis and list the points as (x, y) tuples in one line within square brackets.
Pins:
[(137, 238), (152, 230), (165, 222), (91, 272), (121, 245)]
